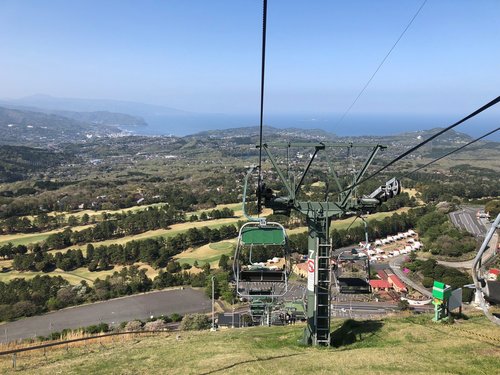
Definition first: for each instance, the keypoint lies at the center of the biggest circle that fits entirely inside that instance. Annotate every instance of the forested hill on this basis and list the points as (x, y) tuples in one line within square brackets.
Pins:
[(102, 118), (251, 133), (16, 162), (23, 127)]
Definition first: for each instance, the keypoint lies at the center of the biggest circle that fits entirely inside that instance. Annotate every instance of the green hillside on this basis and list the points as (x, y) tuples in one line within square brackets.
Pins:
[(399, 345)]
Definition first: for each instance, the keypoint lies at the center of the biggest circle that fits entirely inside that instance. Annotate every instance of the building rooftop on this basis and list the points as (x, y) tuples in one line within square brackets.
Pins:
[(380, 284), (397, 281)]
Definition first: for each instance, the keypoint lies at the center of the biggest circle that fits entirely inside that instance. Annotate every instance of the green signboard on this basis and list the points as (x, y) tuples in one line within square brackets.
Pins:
[(441, 291)]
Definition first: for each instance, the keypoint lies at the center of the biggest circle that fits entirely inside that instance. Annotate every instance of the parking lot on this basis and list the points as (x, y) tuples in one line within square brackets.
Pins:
[(466, 219)]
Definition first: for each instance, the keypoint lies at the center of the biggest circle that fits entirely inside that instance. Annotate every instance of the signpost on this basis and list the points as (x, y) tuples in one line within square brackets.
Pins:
[(445, 300)]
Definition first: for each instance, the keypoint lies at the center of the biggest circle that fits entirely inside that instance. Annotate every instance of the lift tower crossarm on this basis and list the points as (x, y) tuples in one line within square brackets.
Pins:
[(316, 149), (291, 192), (359, 176)]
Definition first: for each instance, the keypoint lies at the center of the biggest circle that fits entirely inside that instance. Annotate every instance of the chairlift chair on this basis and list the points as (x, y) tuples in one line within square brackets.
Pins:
[(267, 234)]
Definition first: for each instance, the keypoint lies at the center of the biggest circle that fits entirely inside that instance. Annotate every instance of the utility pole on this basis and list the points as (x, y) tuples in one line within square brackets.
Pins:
[(318, 217), (213, 304)]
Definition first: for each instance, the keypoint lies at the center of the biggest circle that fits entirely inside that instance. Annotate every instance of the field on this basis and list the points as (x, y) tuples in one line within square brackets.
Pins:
[(396, 345), (75, 276), (210, 253), (27, 238), (345, 223)]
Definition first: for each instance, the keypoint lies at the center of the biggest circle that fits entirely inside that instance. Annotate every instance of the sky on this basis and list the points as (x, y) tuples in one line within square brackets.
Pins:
[(204, 56)]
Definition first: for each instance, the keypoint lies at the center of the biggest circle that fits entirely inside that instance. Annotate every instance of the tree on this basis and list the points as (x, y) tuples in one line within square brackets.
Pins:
[(224, 262), (85, 219), (72, 221), (173, 267), (403, 305)]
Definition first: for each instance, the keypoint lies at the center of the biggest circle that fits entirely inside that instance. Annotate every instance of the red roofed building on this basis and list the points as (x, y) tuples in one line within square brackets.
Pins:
[(397, 284), (493, 273), (382, 274), (300, 269), (380, 285)]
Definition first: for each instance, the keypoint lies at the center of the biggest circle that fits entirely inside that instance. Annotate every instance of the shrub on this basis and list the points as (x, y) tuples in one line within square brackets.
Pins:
[(428, 282), (193, 322), (157, 325), (175, 317), (134, 325)]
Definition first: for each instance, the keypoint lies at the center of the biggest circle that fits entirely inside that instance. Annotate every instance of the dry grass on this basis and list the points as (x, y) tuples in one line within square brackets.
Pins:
[(210, 253), (398, 345)]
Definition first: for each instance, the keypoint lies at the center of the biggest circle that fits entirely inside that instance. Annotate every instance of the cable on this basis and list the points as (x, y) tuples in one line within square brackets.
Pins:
[(262, 76), (381, 63), (451, 152), (413, 149)]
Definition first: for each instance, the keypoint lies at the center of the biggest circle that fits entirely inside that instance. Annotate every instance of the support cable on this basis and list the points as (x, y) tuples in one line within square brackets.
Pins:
[(262, 76), (413, 149), (451, 152), (380, 65)]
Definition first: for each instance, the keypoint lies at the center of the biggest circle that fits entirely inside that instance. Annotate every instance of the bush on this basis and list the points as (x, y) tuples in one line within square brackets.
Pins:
[(157, 325), (428, 282), (194, 322), (134, 325), (403, 305), (24, 308), (175, 317)]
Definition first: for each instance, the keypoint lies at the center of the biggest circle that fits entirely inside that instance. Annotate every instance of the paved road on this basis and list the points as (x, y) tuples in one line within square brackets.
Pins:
[(395, 264), (112, 312), (466, 219)]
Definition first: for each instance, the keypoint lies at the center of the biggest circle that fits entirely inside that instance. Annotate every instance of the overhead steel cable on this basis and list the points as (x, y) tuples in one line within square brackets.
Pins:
[(380, 65), (262, 80), (451, 152), (413, 149)]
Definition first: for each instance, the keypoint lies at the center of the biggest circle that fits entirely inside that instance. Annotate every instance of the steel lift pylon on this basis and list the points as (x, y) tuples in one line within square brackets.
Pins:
[(318, 217)]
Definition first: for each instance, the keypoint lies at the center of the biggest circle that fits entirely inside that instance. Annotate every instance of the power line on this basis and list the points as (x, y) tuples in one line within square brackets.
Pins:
[(381, 63), (451, 152), (262, 77), (413, 149)]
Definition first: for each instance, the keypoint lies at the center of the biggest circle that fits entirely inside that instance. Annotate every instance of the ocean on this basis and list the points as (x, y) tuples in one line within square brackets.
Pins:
[(352, 125)]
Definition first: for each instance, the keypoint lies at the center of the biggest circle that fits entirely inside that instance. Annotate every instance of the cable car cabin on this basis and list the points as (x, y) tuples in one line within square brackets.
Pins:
[(255, 241)]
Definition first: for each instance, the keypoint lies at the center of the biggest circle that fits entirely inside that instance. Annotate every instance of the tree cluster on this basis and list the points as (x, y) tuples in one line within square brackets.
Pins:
[(431, 271)]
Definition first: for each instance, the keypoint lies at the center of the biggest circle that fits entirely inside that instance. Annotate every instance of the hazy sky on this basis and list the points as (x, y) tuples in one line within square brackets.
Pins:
[(204, 55)]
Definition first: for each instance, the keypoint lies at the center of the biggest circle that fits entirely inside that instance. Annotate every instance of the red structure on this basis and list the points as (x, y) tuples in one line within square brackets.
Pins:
[(397, 284), (380, 285)]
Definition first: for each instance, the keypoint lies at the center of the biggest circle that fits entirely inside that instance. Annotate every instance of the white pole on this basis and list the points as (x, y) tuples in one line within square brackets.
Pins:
[(213, 304)]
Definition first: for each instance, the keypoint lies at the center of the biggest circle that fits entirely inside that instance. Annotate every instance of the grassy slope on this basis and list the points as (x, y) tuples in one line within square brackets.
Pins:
[(408, 345), (210, 253), (345, 223), (75, 276)]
